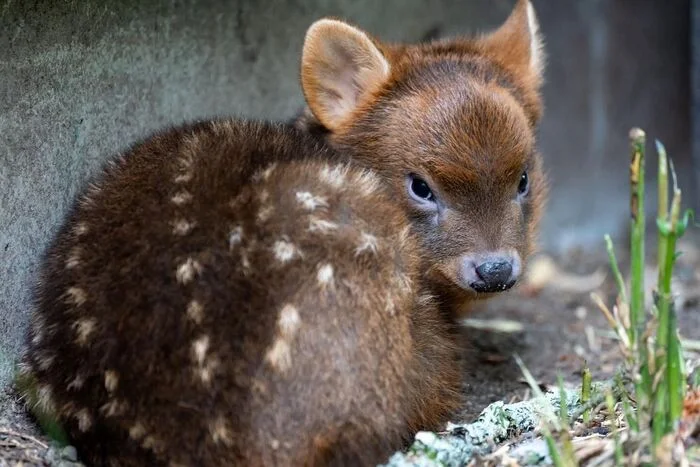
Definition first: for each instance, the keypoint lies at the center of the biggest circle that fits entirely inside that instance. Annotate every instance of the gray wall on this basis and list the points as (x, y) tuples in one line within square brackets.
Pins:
[(80, 80)]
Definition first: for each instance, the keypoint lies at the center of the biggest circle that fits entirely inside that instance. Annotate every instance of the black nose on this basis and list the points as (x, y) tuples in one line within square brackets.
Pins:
[(495, 276)]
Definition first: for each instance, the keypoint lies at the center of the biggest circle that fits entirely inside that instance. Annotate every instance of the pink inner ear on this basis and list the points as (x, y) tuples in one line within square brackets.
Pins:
[(342, 79)]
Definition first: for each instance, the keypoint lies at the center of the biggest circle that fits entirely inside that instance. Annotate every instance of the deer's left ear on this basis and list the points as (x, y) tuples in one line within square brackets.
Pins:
[(340, 67), (517, 44)]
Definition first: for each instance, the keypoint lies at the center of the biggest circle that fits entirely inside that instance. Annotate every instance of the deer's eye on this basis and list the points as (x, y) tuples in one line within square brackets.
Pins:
[(420, 189), (523, 185)]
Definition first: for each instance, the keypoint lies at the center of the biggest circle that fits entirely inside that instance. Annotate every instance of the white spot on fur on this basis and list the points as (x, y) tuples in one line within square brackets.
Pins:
[(321, 225), (187, 270), (111, 380), (245, 262), (113, 408), (181, 198), (265, 213), (80, 229), (368, 243), (183, 227), (289, 321), (73, 258), (183, 178), (279, 355), (137, 431), (195, 311), (84, 420), (285, 251), (75, 296), (334, 176), (263, 196), (84, 328), (46, 361), (275, 444), (186, 166), (268, 171), (309, 201), (264, 174), (199, 349), (204, 366), (325, 274), (235, 237), (219, 431), (206, 371), (77, 383)]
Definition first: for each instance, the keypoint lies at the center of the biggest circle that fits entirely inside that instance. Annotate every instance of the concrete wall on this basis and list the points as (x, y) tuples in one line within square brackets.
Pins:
[(80, 80), (695, 90)]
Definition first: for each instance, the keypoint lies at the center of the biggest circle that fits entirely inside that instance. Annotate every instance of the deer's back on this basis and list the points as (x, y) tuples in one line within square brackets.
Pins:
[(229, 292)]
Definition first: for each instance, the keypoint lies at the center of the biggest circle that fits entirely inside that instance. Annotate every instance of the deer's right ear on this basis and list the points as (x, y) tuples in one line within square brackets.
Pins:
[(340, 66)]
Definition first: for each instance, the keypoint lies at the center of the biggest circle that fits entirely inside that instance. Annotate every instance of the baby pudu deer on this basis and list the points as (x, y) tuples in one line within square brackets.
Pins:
[(450, 125), (234, 292)]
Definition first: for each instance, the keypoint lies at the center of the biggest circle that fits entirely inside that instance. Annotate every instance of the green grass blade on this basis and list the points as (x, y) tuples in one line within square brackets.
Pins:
[(616, 269), (638, 142), (586, 382)]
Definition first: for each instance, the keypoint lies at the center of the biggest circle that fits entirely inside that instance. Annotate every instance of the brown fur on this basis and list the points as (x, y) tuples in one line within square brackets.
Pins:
[(239, 293), (227, 381), (462, 114)]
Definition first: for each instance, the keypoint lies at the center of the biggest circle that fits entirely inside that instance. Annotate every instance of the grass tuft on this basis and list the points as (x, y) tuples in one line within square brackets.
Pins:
[(645, 403)]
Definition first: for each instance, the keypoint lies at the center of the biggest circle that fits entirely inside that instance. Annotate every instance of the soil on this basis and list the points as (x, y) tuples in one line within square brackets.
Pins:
[(561, 329)]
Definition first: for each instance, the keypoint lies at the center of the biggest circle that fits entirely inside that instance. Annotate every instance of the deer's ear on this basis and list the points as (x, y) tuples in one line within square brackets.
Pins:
[(518, 44), (340, 66)]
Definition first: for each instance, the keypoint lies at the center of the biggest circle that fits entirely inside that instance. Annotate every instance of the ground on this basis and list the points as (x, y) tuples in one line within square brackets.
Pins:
[(550, 321)]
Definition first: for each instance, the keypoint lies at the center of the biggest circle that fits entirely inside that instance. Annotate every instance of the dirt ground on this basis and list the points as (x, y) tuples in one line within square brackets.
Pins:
[(560, 328)]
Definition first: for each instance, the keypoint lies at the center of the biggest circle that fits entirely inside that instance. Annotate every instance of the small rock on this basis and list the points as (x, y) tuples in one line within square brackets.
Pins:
[(69, 453), (50, 454)]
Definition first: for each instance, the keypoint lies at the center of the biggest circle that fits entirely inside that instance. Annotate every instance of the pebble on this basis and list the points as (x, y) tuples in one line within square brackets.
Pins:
[(69, 453)]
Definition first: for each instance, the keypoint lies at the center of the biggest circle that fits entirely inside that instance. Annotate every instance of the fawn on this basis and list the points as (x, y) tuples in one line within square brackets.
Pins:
[(242, 292)]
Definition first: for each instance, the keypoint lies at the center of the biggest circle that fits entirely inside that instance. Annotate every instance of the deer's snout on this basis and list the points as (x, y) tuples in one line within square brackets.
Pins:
[(490, 272)]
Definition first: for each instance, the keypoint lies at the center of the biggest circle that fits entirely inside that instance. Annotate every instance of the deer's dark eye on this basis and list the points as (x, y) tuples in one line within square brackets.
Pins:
[(421, 190), (524, 184)]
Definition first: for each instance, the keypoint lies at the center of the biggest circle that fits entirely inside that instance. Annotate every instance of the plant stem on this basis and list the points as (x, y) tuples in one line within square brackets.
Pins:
[(662, 213), (615, 269), (638, 140), (674, 374), (586, 392), (637, 312), (661, 399)]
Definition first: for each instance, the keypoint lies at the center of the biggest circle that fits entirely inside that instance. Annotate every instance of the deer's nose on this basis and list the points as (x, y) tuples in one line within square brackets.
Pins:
[(488, 273), (495, 275)]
